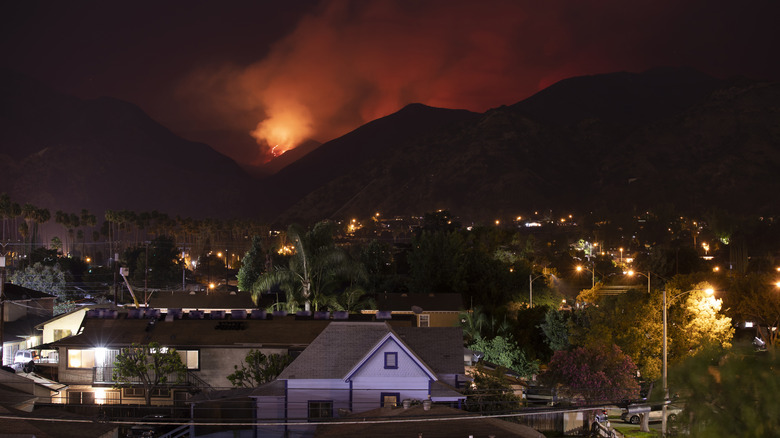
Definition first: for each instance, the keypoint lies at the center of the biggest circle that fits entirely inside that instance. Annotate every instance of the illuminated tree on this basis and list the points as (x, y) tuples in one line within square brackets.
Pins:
[(695, 321), (505, 353), (149, 365), (44, 278)]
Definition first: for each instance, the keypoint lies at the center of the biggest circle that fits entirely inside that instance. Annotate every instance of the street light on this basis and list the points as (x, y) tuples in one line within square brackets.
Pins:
[(709, 292), (592, 271), (631, 274), (531, 279)]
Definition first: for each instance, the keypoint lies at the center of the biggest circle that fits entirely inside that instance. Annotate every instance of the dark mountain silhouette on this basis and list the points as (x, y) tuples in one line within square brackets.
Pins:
[(65, 153), (670, 138), (371, 142)]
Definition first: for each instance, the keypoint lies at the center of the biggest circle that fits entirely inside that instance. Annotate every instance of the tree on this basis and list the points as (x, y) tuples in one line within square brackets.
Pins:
[(257, 368), (730, 393), (695, 322), (756, 298), (149, 365), (594, 374), (316, 269), (43, 278), (253, 264), (162, 258), (505, 353), (556, 329), (490, 392)]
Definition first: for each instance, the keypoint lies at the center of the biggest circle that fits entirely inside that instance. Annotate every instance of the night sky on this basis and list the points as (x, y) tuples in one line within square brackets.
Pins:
[(245, 76)]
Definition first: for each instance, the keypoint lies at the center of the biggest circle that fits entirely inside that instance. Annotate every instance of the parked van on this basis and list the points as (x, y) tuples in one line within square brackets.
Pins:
[(25, 356)]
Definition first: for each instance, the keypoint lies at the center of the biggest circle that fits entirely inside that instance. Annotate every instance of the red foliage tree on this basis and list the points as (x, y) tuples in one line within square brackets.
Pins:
[(593, 374)]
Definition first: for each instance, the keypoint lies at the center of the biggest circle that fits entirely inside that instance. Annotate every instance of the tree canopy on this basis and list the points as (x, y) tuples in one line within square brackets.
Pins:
[(258, 368), (150, 365), (596, 373)]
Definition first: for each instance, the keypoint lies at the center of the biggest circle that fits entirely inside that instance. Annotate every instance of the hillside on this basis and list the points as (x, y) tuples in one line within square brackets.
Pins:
[(61, 152), (714, 146)]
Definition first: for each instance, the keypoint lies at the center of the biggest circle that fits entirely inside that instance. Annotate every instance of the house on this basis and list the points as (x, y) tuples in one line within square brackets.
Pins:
[(429, 310), (23, 309), (357, 367), (209, 343)]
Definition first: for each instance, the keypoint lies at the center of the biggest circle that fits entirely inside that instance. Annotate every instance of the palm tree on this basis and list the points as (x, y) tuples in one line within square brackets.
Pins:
[(316, 268)]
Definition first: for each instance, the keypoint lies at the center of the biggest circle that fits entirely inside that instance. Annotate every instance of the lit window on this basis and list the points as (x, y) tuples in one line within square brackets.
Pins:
[(81, 358), (320, 409), (391, 360), (390, 399), (189, 358)]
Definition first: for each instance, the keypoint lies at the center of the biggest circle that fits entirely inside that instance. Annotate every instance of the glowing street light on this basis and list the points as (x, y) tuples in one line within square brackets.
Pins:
[(581, 268), (710, 292), (632, 273)]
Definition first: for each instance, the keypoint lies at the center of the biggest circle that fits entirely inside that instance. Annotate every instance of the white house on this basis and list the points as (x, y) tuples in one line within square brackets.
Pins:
[(359, 366)]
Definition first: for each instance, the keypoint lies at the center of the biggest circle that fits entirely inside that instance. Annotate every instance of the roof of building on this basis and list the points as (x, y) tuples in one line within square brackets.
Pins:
[(341, 347), (201, 300), (278, 332), (118, 329), (430, 424), (404, 302), (14, 292), (22, 328)]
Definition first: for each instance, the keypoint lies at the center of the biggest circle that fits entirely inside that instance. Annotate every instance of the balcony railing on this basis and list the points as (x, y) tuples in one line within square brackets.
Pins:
[(105, 376)]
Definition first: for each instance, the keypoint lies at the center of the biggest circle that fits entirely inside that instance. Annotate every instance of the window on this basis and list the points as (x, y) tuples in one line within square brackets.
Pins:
[(133, 392), (138, 391), (391, 360), (81, 358), (320, 409), (390, 399), (81, 397), (190, 358), (61, 333), (424, 321)]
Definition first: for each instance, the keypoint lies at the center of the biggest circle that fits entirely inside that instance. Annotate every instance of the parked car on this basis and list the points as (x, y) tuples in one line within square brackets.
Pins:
[(25, 356), (655, 414)]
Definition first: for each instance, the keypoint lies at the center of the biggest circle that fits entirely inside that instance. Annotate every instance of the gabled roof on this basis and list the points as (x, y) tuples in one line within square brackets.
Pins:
[(341, 347), (15, 292), (440, 347)]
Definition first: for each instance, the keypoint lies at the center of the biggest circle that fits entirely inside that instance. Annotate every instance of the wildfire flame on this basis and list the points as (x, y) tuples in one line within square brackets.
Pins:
[(287, 126)]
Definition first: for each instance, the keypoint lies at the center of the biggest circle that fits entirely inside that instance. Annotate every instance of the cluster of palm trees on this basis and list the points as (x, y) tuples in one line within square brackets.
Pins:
[(318, 274)]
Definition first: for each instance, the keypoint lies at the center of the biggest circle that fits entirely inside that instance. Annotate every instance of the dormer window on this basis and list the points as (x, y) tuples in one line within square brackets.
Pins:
[(391, 361)]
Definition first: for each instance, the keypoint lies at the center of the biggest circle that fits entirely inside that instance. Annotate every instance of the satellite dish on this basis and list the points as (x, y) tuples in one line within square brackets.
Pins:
[(417, 309)]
